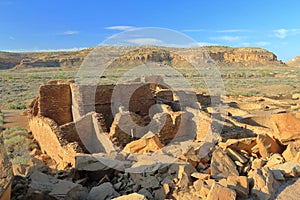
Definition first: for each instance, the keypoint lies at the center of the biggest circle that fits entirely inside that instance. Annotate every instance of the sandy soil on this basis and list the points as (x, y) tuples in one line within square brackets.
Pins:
[(15, 118)]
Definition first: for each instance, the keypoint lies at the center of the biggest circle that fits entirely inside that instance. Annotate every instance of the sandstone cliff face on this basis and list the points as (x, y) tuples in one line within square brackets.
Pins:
[(242, 55), (295, 62), (221, 55)]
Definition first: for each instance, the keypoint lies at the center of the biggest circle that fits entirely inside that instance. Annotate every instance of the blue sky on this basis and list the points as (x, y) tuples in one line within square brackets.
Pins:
[(33, 25)]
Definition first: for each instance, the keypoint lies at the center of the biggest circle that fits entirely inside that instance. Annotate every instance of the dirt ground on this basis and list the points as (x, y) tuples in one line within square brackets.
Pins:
[(15, 118)]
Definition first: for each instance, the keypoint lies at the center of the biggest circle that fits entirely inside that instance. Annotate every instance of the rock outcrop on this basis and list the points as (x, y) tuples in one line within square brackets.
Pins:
[(295, 62), (247, 57)]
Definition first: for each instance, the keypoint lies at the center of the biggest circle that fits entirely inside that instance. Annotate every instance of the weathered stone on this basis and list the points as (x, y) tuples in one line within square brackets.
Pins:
[(200, 176), (221, 165), (278, 175), (198, 184), (95, 167), (289, 190), (183, 174), (133, 196), (264, 183), (267, 145), (239, 184), (235, 156), (149, 182), (289, 169), (47, 133), (55, 102), (148, 144), (165, 95), (53, 187), (146, 193), (296, 96), (292, 152), (275, 159), (245, 144), (122, 132), (258, 163), (218, 191), (286, 127), (162, 192), (164, 126), (102, 192)]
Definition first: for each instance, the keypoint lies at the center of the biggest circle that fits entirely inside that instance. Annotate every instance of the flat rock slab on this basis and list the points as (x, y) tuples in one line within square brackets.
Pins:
[(289, 190)]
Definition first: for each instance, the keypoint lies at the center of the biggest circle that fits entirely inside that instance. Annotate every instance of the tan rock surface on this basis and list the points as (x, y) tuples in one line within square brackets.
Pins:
[(220, 192), (286, 127), (239, 184), (289, 190), (222, 166), (292, 152), (267, 145), (264, 183), (133, 196), (147, 144), (121, 128)]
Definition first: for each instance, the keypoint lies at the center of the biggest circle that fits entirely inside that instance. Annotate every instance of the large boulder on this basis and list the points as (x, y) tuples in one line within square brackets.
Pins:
[(289, 169), (218, 191), (50, 187), (103, 192), (264, 183), (132, 196), (239, 184), (286, 127), (147, 144), (289, 190), (267, 145), (292, 152), (221, 165), (122, 132)]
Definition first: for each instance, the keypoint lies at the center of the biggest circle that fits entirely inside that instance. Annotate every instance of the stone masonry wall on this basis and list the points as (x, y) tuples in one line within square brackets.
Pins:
[(55, 102)]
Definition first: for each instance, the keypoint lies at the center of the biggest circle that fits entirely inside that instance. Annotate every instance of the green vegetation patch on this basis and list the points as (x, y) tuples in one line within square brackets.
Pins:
[(17, 142)]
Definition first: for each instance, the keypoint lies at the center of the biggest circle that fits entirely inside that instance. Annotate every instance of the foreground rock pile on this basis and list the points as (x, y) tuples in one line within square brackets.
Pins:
[(249, 151)]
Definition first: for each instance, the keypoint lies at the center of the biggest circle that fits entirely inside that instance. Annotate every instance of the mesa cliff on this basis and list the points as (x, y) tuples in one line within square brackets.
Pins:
[(223, 56)]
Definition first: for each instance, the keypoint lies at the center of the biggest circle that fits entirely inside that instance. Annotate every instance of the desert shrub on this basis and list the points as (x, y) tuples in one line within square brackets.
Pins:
[(17, 144), (61, 76), (9, 78), (33, 76), (16, 106), (20, 160)]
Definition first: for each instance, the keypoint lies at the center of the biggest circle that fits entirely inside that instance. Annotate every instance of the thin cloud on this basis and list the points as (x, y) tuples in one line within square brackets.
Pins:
[(11, 38), (45, 50), (120, 28), (283, 33), (245, 44), (145, 41), (232, 31), (228, 38), (262, 43), (194, 30), (70, 32), (206, 44)]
